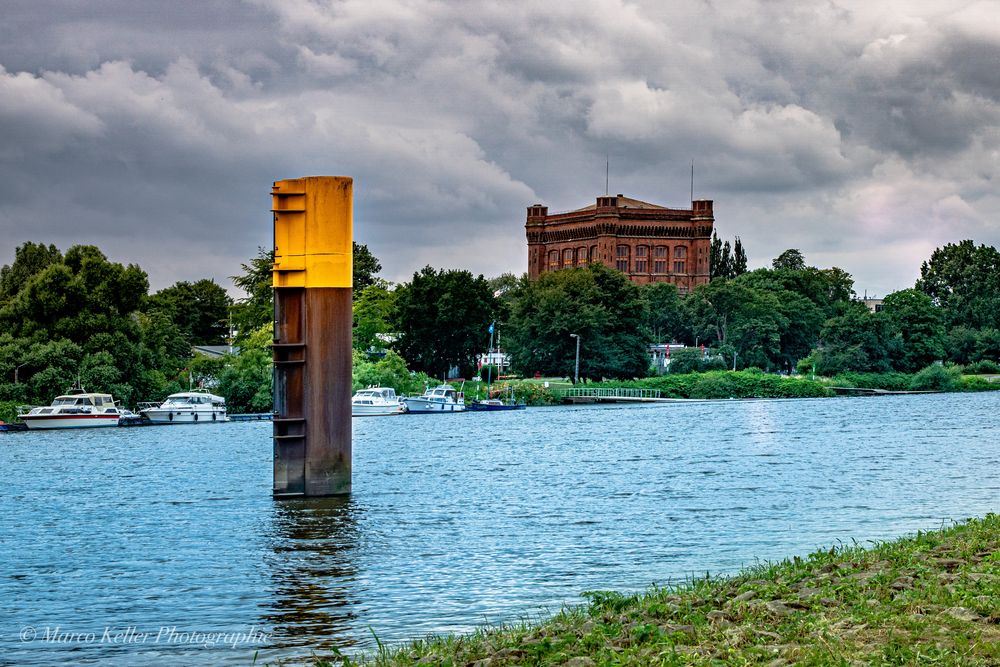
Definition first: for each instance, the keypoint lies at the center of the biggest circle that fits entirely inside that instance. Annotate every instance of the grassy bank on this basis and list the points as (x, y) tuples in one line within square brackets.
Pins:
[(927, 599), (753, 383)]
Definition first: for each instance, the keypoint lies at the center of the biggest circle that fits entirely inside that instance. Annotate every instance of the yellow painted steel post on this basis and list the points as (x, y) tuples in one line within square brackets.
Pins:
[(312, 276)]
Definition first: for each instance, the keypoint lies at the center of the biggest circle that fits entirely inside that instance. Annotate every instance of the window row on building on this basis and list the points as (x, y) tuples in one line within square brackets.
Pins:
[(648, 259)]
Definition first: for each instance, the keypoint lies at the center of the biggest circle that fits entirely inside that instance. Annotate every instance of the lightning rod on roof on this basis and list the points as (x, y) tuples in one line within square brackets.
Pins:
[(692, 180), (607, 171)]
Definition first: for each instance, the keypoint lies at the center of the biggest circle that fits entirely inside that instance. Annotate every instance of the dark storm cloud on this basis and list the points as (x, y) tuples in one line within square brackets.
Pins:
[(836, 128)]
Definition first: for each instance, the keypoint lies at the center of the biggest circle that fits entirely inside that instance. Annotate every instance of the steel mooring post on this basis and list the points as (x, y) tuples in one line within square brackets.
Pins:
[(312, 335)]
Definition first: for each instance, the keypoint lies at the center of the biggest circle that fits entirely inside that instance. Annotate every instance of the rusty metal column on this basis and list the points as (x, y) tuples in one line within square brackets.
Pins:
[(312, 335)]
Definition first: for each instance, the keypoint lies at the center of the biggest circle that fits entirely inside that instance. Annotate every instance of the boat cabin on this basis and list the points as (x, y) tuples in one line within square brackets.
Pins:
[(189, 398), (82, 400)]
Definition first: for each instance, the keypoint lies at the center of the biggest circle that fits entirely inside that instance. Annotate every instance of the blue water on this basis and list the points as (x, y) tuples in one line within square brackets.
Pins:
[(131, 546)]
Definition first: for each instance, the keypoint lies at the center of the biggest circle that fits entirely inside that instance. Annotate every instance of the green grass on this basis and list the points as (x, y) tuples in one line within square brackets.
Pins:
[(929, 599)]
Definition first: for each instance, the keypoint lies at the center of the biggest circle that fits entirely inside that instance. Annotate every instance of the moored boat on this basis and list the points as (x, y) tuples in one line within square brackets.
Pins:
[(442, 398), (75, 409), (186, 407), (376, 402), (494, 404)]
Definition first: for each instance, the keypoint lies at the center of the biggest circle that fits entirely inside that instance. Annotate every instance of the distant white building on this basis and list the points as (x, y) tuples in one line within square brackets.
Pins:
[(496, 358), (873, 304), (215, 350), (659, 354)]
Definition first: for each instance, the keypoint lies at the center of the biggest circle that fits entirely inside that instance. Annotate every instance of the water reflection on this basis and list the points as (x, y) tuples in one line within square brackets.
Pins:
[(313, 569)]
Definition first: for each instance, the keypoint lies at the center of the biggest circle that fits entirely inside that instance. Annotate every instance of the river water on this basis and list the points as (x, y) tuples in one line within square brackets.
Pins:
[(162, 545)]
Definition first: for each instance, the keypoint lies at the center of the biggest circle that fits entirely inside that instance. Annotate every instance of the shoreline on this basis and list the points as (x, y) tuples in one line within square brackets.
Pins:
[(930, 596)]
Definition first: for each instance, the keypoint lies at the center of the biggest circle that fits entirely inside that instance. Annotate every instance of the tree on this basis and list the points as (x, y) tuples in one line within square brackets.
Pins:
[(988, 345), (200, 310), (257, 308), (77, 299), (731, 313), (919, 326), (29, 260), (739, 258), (964, 280), (599, 304), (663, 315), (857, 340), (724, 262), (961, 345), (373, 315), (246, 379), (365, 266), (719, 260), (442, 318), (790, 260)]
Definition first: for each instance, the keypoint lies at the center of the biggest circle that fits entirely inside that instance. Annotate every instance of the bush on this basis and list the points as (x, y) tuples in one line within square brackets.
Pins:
[(488, 373), (751, 383), (693, 360), (887, 381), (8, 411), (389, 371), (937, 378), (531, 393), (978, 383), (984, 367), (714, 386)]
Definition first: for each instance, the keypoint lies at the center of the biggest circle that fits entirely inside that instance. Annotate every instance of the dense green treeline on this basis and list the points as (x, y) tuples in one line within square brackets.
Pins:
[(788, 318), (78, 316)]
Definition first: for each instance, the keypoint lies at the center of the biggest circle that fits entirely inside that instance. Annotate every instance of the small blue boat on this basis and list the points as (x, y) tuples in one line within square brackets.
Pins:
[(494, 404)]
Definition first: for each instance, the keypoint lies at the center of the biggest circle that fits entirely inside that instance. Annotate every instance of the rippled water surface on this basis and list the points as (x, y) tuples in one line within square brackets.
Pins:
[(135, 545)]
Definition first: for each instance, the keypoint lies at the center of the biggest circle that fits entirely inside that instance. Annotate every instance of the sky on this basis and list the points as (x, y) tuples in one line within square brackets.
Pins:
[(865, 134)]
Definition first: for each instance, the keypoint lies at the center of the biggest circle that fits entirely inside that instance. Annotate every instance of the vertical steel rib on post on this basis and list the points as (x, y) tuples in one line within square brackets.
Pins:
[(312, 335)]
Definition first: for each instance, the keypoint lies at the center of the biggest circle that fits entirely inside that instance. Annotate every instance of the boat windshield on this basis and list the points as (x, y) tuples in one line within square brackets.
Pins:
[(71, 400)]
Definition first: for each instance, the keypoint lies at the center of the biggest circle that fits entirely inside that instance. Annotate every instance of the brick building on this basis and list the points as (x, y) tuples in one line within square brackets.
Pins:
[(650, 243)]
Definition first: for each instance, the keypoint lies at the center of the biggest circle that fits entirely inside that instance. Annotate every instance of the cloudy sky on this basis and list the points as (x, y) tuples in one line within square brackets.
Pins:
[(863, 133)]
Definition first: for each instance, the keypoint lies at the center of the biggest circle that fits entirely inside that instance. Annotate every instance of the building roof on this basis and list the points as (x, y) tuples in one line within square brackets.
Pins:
[(623, 202), (215, 350)]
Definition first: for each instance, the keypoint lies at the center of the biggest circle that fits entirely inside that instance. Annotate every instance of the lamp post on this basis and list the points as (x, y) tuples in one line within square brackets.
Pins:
[(17, 369), (576, 371)]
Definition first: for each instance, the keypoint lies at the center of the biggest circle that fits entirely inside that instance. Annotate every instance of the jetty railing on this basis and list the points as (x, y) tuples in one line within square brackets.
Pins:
[(608, 394)]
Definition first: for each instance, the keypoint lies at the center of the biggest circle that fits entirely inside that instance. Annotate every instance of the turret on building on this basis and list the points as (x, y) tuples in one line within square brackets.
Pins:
[(647, 242)]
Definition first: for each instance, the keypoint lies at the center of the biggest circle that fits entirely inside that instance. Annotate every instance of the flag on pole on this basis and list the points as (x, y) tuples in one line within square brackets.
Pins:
[(491, 328)]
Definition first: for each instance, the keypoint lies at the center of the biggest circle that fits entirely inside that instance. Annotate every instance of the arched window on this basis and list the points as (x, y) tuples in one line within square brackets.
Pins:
[(553, 260), (680, 253), (567, 258), (592, 257), (642, 259), (660, 255), (581, 256), (621, 258)]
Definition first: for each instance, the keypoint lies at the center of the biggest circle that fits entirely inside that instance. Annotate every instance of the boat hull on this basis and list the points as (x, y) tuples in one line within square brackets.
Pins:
[(377, 410), (420, 405), (40, 422), (477, 406), (158, 416)]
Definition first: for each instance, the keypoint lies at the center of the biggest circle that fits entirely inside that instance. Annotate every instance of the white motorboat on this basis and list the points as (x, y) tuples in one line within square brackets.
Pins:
[(75, 409), (442, 398), (186, 407), (376, 402)]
